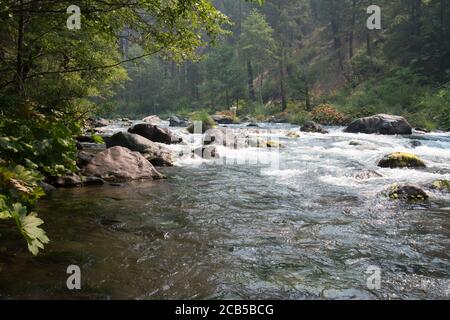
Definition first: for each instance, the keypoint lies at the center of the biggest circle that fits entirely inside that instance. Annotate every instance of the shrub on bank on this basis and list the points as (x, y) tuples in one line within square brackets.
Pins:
[(205, 118), (328, 115)]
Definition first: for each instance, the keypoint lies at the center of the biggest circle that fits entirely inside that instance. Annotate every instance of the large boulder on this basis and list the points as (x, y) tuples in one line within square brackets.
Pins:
[(401, 160), (406, 192), (154, 133), (159, 155), (311, 126), (134, 142), (154, 152), (175, 121), (83, 158), (381, 124), (119, 163)]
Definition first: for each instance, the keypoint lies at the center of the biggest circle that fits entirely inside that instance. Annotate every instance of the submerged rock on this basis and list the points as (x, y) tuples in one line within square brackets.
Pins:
[(367, 174), (415, 143), (154, 133), (381, 124), (72, 181), (406, 192), (311, 126), (48, 188), (355, 143), (119, 163), (401, 160)]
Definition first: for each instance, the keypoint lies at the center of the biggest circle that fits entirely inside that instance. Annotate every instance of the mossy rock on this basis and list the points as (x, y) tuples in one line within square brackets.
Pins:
[(273, 144), (268, 144), (401, 160), (355, 143), (441, 185), (293, 135), (410, 193)]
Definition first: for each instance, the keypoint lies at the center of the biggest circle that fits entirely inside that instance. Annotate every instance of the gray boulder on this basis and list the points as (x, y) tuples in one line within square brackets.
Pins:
[(154, 152), (175, 121), (131, 141), (154, 133), (119, 163), (380, 124)]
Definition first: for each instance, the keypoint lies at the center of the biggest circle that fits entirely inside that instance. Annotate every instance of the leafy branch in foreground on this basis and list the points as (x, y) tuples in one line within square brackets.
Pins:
[(52, 77)]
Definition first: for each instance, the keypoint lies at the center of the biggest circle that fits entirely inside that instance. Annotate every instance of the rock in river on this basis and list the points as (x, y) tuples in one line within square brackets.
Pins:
[(311, 126), (155, 152), (401, 160), (131, 141), (407, 193), (73, 180), (118, 163), (381, 124), (154, 133), (206, 152), (175, 121), (441, 185)]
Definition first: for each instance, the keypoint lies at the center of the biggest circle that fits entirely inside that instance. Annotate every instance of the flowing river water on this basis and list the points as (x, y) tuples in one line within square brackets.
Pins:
[(307, 228)]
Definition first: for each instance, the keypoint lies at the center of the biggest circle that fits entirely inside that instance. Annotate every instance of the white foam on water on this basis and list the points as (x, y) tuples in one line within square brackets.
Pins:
[(286, 173)]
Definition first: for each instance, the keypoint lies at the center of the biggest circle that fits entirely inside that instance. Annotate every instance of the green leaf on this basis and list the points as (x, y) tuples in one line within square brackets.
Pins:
[(29, 227)]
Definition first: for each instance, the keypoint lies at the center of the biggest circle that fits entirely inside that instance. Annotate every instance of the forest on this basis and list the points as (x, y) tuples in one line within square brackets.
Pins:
[(286, 58), (82, 81)]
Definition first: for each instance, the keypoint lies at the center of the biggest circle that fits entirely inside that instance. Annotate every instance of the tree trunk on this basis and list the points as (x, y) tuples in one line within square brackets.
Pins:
[(282, 77), (251, 88), (227, 98), (20, 51), (261, 81), (352, 30), (307, 97), (369, 43)]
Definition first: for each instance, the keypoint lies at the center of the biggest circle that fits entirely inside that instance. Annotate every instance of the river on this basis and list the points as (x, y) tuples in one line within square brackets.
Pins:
[(308, 227)]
